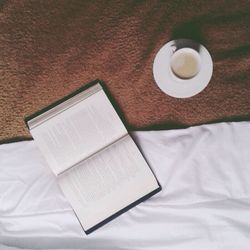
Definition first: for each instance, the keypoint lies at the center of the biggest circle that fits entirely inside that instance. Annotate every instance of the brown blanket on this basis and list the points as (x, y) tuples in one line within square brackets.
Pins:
[(50, 48)]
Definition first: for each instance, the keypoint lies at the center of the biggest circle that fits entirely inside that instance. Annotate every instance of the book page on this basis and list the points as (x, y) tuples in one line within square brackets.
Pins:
[(107, 182), (78, 132)]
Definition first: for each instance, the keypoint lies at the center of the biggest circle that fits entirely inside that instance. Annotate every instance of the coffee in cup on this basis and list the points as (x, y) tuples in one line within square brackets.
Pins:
[(185, 63)]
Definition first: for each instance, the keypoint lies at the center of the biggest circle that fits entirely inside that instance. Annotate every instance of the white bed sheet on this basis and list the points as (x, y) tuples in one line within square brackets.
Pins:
[(204, 204)]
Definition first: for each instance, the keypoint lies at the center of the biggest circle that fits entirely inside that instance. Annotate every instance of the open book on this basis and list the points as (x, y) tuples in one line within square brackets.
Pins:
[(98, 166)]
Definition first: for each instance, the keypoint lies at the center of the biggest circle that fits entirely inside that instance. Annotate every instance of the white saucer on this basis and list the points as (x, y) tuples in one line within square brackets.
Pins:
[(174, 86)]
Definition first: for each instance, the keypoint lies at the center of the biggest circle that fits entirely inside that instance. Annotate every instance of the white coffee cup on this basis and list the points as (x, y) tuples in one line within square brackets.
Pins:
[(185, 63), (182, 81)]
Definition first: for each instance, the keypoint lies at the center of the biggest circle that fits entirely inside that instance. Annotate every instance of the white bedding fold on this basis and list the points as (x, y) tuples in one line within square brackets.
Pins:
[(205, 202)]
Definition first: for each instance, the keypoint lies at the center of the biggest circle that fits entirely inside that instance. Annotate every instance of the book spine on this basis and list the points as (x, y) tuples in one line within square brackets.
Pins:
[(96, 152)]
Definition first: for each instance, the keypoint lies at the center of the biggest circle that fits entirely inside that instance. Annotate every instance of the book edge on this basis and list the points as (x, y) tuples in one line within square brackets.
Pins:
[(61, 100), (123, 210)]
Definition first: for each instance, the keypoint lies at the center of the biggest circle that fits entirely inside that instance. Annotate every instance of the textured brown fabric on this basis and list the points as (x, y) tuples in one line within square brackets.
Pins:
[(50, 48)]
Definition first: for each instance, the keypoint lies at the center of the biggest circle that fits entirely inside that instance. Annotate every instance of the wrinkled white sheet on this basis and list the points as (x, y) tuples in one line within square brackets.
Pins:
[(205, 202)]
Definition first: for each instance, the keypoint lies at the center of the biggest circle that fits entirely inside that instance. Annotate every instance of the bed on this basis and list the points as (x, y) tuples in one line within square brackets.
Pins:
[(204, 204), (50, 48)]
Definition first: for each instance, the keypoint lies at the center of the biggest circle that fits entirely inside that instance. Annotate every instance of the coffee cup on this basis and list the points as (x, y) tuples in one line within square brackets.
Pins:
[(185, 63), (182, 68)]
